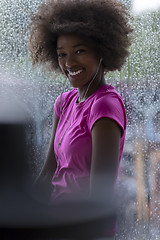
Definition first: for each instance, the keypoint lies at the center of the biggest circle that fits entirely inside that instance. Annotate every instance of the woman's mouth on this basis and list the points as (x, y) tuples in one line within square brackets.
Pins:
[(75, 73)]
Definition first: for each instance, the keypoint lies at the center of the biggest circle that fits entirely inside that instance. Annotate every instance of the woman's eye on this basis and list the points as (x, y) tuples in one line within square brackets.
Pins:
[(61, 55), (80, 51)]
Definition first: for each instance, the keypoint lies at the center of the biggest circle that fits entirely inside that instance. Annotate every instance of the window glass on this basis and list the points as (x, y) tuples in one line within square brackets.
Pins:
[(139, 84)]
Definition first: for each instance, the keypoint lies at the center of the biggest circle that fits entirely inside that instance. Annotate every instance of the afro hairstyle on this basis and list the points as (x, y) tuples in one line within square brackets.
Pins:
[(105, 22)]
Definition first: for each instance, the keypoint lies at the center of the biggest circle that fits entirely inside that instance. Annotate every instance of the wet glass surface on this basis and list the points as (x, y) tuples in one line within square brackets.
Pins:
[(139, 84)]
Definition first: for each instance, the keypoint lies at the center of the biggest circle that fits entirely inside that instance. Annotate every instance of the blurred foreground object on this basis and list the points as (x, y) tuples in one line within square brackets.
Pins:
[(14, 171), (22, 215)]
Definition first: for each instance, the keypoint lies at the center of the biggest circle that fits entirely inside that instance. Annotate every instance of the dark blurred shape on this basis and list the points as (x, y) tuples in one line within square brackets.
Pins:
[(15, 178), (22, 215), (14, 171)]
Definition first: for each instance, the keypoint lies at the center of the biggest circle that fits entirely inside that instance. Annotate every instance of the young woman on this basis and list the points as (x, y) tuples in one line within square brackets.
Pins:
[(83, 39)]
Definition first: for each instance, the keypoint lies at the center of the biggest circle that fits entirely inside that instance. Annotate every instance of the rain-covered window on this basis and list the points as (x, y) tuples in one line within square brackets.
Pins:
[(139, 84)]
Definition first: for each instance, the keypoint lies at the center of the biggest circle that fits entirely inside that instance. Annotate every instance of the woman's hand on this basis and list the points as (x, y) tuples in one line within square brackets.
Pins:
[(42, 186)]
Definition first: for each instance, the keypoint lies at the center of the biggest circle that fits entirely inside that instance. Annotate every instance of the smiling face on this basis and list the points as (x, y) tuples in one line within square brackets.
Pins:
[(77, 59)]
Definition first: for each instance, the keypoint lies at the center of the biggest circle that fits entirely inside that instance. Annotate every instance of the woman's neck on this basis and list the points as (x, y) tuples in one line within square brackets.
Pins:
[(90, 88)]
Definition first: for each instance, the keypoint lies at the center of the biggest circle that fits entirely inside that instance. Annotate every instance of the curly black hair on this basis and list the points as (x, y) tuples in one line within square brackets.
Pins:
[(105, 22)]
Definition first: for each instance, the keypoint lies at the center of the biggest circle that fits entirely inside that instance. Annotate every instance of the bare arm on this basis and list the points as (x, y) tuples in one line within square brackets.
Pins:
[(106, 135), (43, 181)]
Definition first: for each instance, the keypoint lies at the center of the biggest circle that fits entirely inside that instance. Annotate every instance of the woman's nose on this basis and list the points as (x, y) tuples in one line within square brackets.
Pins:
[(70, 62)]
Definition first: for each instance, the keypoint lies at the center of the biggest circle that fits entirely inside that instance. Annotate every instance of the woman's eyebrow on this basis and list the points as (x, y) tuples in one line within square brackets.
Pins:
[(79, 45), (59, 48), (74, 46)]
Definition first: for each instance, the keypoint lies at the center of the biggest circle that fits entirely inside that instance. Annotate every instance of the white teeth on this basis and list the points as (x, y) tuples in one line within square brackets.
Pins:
[(75, 73)]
